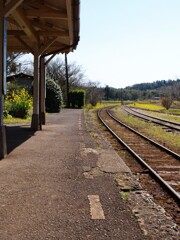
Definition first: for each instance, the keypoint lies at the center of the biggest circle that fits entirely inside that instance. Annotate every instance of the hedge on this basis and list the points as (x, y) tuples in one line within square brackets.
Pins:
[(77, 98)]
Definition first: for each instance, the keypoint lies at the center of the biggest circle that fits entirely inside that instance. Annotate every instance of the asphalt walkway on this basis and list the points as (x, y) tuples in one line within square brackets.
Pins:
[(53, 186)]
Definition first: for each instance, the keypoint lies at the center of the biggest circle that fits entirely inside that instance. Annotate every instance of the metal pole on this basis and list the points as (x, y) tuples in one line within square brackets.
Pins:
[(3, 144), (67, 80)]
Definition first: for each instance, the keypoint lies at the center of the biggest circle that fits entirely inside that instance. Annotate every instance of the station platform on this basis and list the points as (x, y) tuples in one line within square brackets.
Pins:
[(58, 183)]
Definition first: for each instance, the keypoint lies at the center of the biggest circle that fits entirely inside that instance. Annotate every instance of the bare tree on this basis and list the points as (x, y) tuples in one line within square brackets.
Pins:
[(76, 74), (12, 62), (166, 102), (176, 91), (170, 94), (56, 70), (19, 62), (93, 92)]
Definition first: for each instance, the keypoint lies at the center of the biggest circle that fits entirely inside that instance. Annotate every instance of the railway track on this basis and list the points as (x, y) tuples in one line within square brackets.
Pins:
[(162, 163), (168, 124)]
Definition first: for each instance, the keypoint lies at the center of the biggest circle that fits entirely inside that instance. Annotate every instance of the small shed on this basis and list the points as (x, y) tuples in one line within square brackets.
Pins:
[(22, 80)]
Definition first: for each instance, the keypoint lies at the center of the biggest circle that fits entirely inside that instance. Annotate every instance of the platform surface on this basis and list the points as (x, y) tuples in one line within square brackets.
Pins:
[(57, 184)]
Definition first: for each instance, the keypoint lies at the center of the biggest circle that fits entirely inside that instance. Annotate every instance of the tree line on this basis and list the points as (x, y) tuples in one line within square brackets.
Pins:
[(56, 70), (156, 90)]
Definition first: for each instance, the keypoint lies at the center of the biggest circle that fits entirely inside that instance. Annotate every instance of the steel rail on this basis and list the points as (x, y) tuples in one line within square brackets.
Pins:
[(174, 154), (159, 121), (146, 115), (141, 161)]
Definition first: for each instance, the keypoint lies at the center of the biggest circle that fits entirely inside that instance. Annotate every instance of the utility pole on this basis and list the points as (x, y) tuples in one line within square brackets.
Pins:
[(67, 81)]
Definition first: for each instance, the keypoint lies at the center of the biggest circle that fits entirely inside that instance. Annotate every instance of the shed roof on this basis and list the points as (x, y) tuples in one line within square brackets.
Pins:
[(19, 75), (52, 24)]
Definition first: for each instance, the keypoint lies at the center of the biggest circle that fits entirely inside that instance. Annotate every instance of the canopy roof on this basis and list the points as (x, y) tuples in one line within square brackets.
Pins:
[(52, 25)]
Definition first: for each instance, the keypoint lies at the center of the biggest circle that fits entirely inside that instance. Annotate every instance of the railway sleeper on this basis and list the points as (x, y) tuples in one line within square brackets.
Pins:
[(168, 168), (152, 158)]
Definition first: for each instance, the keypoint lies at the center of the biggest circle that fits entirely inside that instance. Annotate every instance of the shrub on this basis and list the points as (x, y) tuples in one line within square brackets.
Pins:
[(18, 104), (166, 102), (54, 98), (77, 98)]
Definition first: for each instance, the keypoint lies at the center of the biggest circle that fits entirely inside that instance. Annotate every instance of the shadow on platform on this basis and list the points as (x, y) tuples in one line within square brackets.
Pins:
[(16, 135)]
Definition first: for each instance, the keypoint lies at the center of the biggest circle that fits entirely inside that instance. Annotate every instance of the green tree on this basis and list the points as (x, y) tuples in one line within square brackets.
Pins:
[(54, 97), (107, 92)]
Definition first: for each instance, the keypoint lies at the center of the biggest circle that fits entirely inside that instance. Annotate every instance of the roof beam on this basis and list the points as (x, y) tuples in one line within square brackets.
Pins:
[(47, 26), (24, 43), (46, 45), (70, 19), (16, 33), (49, 33), (62, 40), (53, 33), (46, 13), (25, 24), (50, 58), (11, 6)]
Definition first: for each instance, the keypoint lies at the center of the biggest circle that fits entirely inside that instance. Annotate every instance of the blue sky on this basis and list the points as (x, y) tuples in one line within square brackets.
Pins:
[(124, 42)]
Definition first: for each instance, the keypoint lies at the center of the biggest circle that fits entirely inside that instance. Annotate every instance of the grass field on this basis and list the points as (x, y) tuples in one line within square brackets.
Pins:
[(169, 139), (156, 107), (148, 106)]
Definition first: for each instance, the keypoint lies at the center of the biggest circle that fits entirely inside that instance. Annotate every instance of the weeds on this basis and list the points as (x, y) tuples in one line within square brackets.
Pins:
[(124, 196), (148, 106)]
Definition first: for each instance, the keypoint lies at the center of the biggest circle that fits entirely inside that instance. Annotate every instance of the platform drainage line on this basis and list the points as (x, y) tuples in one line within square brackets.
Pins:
[(96, 210)]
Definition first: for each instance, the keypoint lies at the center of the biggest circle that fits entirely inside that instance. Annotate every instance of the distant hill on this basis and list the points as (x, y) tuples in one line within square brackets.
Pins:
[(142, 91), (154, 85)]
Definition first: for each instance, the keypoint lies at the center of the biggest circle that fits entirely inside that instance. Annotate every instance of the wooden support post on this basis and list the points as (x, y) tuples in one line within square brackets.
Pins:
[(38, 117), (3, 144), (42, 91), (67, 81), (35, 116)]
